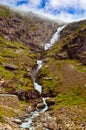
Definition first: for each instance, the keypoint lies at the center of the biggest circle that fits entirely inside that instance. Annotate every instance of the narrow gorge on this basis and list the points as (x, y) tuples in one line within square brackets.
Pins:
[(38, 87)]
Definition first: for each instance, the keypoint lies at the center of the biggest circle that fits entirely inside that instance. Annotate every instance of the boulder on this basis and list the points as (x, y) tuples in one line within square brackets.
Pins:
[(50, 101), (9, 100), (40, 106), (10, 67), (52, 125), (18, 121), (26, 95)]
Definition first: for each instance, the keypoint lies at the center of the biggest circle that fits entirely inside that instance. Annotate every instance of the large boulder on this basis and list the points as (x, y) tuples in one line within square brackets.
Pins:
[(50, 101), (9, 100), (40, 106), (27, 95)]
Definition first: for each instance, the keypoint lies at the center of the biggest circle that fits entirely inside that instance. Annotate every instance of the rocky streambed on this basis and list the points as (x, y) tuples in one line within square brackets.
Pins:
[(40, 112)]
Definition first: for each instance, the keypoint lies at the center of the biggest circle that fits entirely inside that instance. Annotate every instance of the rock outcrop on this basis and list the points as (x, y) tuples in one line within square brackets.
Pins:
[(29, 29), (9, 100)]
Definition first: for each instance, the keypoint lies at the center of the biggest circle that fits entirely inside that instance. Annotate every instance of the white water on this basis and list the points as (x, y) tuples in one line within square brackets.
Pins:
[(37, 112), (54, 38), (38, 87)]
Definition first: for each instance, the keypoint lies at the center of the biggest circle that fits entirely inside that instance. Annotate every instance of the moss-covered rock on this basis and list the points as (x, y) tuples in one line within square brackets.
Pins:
[(16, 63)]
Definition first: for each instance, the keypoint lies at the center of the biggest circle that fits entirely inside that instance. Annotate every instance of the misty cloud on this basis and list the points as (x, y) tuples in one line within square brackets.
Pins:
[(68, 10)]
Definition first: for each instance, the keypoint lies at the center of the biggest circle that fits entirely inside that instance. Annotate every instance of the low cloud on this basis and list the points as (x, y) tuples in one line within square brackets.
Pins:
[(56, 9)]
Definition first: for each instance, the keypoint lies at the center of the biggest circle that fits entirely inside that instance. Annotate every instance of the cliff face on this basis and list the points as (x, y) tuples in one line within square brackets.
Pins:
[(75, 42), (28, 29)]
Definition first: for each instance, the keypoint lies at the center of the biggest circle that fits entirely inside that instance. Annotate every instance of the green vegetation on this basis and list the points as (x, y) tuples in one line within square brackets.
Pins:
[(74, 96), (5, 11), (6, 111), (20, 56), (77, 65), (1, 118), (63, 75)]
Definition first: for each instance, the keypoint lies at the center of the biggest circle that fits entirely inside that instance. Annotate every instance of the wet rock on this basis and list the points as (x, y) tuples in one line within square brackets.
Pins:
[(18, 121), (32, 94), (50, 101), (27, 95), (40, 106)]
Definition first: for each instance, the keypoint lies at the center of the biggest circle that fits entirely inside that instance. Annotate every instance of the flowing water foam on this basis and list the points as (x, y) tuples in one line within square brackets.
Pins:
[(54, 38), (38, 87)]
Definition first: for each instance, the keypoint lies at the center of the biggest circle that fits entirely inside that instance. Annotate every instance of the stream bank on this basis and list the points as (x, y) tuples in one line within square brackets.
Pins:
[(29, 124)]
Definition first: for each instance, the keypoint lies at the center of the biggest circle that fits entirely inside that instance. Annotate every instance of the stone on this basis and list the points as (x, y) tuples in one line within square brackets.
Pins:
[(27, 95), (9, 100), (6, 127), (10, 67), (52, 125), (39, 128), (50, 101), (18, 121), (40, 106)]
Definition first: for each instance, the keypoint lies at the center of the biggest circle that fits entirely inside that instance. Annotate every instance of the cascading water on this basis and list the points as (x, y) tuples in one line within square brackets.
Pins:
[(38, 87), (54, 38)]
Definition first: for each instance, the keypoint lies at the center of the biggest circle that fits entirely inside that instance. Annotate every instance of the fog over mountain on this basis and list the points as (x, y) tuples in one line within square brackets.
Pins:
[(64, 10)]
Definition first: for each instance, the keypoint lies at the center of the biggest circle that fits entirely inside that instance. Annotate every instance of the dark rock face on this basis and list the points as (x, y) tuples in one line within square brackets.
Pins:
[(30, 94), (74, 38), (30, 29)]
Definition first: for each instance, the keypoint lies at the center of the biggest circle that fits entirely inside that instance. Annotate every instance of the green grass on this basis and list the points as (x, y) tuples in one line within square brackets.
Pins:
[(77, 65), (6, 73), (1, 118), (23, 58), (74, 96), (5, 11)]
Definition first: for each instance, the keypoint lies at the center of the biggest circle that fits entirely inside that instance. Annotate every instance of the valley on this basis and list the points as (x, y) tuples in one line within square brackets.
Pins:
[(24, 40)]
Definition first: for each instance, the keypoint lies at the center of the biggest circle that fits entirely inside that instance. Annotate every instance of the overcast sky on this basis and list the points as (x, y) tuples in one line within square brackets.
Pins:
[(66, 10)]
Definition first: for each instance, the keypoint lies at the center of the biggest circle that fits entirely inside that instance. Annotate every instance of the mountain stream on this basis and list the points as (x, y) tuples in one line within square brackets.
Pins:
[(38, 87)]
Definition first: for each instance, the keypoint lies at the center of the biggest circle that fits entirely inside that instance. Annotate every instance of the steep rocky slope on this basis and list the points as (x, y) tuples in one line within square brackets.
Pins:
[(63, 77), (21, 39), (63, 74), (26, 28)]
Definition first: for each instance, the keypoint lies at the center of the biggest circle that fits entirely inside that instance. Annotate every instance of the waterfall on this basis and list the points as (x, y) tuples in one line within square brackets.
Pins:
[(38, 87), (54, 38)]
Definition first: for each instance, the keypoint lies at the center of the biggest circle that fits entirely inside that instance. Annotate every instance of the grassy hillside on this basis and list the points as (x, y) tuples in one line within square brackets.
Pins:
[(16, 62), (63, 75)]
